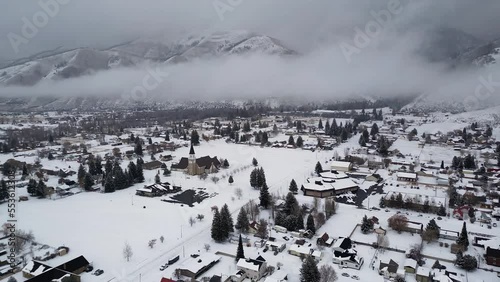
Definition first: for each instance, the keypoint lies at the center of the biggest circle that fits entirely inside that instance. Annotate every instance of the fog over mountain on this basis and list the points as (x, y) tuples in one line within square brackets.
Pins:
[(239, 49)]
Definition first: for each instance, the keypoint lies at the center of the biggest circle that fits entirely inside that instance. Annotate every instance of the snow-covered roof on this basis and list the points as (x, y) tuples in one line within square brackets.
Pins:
[(333, 175), (423, 271), (411, 263), (249, 264), (340, 164), (300, 249), (407, 175), (194, 265)]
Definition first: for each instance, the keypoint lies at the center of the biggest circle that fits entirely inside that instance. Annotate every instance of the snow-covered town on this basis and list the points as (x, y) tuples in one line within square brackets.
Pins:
[(374, 195)]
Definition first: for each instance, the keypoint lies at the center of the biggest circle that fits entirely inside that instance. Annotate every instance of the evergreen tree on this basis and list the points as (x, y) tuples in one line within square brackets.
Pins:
[(167, 136), (442, 164), (32, 187), (293, 187), (374, 131), (382, 203), (195, 138), (362, 141), (441, 211), (230, 180), (254, 162), (40, 189), (310, 223), (132, 169), (242, 222), (299, 222), (225, 164), (399, 200), (459, 260), (463, 238), (81, 174), (300, 142), (261, 177), (320, 124), (140, 171), (239, 252), (138, 148), (166, 172), (318, 169), (216, 231), (98, 164), (253, 177), (226, 221), (366, 225), (92, 166), (157, 178), (88, 182), (50, 157), (108, 167), (327, 126), (291, 141), (309, 271), (120, 179), (25, 170), (109, 185), (265, 197), (291, 206)]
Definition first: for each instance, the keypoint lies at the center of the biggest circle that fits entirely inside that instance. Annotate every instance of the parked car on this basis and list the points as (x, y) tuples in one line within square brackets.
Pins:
[(286, 238), (375, 209), (265, 249), (195, 255), (163, 267), (355, 277), (89, 268), (173, 260), (98, 272), (345, 274)]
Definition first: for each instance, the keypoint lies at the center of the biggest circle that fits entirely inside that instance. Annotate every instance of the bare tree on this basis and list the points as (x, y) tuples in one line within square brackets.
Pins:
[(200, 217), (192, 221), (127, 251), (320, 219), (398, 222), (152, 243), (206, 247), (382, 242), (238, 192), (262, 229), (327, 273), (178, 273)]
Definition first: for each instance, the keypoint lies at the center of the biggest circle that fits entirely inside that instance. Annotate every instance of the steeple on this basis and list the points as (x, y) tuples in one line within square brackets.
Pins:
[(191, 152)]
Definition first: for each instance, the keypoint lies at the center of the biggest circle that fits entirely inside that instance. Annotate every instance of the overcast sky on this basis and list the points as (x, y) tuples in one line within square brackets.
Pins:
[(100, 23), (390, 65)]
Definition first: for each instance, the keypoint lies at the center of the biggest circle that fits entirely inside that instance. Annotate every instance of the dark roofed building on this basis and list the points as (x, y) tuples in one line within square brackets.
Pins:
[(71, 269), (152, 165)]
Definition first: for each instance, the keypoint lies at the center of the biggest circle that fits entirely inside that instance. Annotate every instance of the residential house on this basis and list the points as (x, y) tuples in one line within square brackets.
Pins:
[(344, 255), (303, 251), (68, 271), (341, 166), (194, 267), (410, 265), (277, 276), (254, 268), (327, 187), (423, 274), (153, 165), (388, 269), (325, 240), (492, 254)]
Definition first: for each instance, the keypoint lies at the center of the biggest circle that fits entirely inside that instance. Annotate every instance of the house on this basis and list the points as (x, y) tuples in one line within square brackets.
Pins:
[(341, 166), (194, 267), (303, 251), (197, 166), (324, 240), (254, 268), (325, 187), (167, 280), (277, 276), (410, 265), (423, 274), (152, 165), (344, 255), (492, 254), (388, 269), (70, 270), (447, 277), (407, 176), (253, 227)]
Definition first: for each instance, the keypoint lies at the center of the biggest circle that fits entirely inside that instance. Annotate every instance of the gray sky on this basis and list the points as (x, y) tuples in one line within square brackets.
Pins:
[(100, 23), (389, 65)]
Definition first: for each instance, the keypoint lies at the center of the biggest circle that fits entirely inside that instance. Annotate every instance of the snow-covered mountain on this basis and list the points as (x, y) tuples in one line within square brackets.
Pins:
[(484, 55), (84, 61)]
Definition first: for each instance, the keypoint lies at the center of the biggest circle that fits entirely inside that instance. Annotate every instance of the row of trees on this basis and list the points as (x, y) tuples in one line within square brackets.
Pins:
[(467, 162), (396, 201)]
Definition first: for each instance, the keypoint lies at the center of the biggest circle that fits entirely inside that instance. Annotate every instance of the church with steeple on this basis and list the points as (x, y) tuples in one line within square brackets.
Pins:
[(197, 166)]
